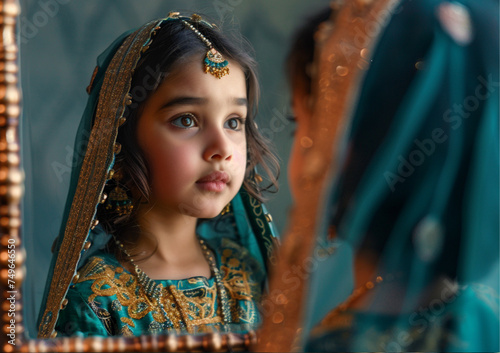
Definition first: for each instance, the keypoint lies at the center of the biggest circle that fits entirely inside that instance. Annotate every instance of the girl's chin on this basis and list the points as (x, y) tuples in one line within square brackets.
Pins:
[(206, 213), (209, 215)]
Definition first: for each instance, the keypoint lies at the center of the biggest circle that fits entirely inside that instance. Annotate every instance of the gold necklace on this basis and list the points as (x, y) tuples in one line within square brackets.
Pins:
[(174, 300)]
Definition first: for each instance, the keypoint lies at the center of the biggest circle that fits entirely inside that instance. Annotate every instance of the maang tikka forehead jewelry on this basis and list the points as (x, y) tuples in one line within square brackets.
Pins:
[(214, 63)]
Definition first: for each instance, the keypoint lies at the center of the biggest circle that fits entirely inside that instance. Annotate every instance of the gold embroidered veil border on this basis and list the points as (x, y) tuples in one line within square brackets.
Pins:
[(99, 156), (340, 64)]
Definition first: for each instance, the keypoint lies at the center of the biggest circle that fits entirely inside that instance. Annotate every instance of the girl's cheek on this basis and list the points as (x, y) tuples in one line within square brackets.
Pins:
[(172, 163), (239, 166), (240, 159)]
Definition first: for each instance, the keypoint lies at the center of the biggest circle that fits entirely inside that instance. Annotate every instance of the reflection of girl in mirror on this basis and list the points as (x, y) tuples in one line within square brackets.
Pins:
[(411, 113), (165, 230)]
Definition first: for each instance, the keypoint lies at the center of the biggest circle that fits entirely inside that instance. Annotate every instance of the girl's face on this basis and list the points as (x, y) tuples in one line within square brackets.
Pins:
[(192, 133)]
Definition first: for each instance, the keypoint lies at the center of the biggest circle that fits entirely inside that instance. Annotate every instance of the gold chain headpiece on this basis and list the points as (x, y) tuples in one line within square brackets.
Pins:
[(214, 63)]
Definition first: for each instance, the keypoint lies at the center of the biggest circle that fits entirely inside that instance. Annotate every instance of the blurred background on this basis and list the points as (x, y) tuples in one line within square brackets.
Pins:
[(59, 43)]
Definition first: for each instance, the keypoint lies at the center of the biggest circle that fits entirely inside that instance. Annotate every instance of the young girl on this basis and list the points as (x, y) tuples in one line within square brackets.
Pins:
[(164, 229)]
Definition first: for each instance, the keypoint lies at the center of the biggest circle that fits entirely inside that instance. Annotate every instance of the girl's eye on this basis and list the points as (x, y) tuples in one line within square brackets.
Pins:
[(234, 124), (185, 121)]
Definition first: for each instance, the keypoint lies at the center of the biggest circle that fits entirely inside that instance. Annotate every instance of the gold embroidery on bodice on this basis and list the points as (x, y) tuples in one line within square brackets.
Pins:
[(199, 293)]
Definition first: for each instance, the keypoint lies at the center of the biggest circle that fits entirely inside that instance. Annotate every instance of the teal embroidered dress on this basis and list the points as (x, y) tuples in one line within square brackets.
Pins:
[(107, 299)]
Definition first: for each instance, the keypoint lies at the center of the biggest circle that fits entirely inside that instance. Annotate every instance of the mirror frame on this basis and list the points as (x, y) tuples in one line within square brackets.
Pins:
[(12, 253)]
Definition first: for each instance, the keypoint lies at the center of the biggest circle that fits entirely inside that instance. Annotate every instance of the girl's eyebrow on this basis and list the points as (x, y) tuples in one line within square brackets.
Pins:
[(184, 101), (241, 101), (199, 101)]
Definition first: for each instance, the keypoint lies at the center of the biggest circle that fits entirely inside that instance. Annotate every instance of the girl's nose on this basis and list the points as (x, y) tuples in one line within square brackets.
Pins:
[(219, 146)]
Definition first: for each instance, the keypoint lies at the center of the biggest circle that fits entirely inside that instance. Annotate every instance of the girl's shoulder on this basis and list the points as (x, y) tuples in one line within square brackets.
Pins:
[(101, 265), (96, 299)]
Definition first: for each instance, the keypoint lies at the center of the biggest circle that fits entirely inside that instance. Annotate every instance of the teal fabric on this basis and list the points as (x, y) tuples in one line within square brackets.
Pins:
[(80, 145), (107, 300), (432, 221), (245, 212), (431, 331), (248, 223)]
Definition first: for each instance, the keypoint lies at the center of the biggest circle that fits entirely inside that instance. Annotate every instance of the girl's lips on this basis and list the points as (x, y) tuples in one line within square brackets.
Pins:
[(216, 186), (215, 181)]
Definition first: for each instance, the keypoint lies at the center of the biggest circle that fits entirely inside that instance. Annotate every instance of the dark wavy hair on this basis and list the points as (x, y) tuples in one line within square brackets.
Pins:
[(172, 45)]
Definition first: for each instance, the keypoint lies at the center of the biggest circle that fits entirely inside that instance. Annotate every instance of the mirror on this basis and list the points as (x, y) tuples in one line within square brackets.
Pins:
[(58, 43)]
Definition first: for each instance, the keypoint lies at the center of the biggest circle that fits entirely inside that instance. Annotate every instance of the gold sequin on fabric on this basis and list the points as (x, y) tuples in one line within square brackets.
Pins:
[(342, 70), (306, 142)]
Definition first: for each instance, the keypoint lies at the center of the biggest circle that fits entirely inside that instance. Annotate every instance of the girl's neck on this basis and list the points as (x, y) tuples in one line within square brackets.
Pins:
[(166, 231), (172, 241)]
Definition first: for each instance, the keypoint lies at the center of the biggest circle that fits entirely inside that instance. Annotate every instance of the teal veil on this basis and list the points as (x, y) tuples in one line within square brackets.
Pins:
[(249, 225)]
